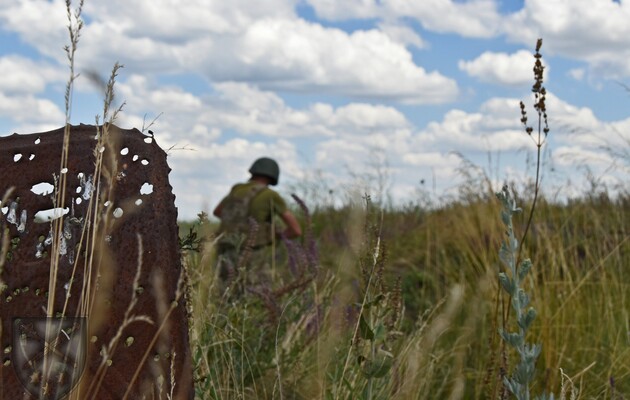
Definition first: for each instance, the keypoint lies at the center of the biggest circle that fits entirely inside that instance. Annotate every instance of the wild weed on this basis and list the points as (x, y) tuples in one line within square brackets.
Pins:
[(523, 375)]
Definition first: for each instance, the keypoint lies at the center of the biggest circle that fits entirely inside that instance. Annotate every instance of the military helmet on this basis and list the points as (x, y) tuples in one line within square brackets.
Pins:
[(266, 167)]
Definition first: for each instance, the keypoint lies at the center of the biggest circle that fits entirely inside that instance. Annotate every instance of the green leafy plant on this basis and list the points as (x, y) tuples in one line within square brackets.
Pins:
[(524, 372), (522, 377)]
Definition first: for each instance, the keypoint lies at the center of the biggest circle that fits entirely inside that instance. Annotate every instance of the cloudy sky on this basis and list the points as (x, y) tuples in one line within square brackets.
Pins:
[(385, 96)]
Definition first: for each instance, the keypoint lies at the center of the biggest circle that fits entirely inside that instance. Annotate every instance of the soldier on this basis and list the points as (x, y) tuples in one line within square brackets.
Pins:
[(247, 216)]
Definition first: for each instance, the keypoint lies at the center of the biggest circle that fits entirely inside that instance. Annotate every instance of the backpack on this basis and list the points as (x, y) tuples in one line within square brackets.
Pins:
[(235, 220)]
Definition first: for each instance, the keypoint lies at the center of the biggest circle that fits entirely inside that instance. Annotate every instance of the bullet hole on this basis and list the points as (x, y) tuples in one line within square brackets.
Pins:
[(146, 188), (42, 188), (50, 214), (118, 212)]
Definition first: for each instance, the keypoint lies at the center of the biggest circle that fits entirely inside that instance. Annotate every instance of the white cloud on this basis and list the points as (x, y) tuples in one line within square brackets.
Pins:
[(22, 75), (433, 159), (174, 21), (577, 73), (592, 31), (476, 18), (263, 44), (570, 156), (300, 56), (247, 110), (22, 83), (43, 23), (402, 34), (573, 125), (478, 131), (27, 109), (501, 68), (349, 9), (357, 116)]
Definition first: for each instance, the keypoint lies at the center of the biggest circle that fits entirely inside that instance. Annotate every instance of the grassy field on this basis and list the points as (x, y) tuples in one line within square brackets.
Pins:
[(405, 303), (382, 303)]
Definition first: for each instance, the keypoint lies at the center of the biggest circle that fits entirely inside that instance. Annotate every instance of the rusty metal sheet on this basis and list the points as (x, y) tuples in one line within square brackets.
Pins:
[(117, 262)]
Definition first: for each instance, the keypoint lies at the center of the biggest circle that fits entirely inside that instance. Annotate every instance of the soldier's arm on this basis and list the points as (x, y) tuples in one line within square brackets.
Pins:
[(293, 228)]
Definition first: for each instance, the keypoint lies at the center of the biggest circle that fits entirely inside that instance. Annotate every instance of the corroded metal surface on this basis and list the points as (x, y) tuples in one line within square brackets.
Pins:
[(118, 259)]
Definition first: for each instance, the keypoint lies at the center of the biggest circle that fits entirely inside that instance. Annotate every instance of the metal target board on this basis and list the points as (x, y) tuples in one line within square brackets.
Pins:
[(91, 280)]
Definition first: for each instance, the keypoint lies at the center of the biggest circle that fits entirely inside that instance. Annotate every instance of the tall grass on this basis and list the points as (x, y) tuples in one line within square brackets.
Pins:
[(407, 302), (446, 260), (380, 303)]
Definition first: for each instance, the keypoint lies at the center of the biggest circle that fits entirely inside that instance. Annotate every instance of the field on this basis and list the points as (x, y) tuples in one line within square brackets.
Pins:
[(405, 303), (424, 301)]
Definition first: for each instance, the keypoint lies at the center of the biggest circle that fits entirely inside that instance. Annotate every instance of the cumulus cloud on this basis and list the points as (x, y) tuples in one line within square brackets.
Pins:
[(570, 156), (401, 33), (340, 10), (31, 114), (478, 131), (22, 75), (41, 23), (247, 110), (477, 18), (173, 21), (22, 85), (296, 55), (501, 68), (432, 159), (592, 31), (263, 44)]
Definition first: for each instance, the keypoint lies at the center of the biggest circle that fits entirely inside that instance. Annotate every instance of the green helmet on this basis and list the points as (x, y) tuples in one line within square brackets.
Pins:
[(266, 167)]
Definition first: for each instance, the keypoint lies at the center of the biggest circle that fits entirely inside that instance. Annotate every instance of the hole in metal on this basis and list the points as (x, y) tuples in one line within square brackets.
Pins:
[(118, 212), (50, 214), (42, 188), (146, 188)]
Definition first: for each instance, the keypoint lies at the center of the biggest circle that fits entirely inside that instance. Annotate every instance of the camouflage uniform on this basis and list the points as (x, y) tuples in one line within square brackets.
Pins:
[(247, 222)]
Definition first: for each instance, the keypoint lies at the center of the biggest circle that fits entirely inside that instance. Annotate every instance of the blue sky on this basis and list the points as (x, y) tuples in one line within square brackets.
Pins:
[(351, 96)]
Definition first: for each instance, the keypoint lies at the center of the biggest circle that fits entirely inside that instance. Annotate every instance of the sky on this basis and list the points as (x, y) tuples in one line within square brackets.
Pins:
[(406, 100)]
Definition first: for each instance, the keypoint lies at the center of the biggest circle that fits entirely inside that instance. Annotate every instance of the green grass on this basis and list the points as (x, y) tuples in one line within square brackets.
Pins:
[(440, 345), (405, 302)]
